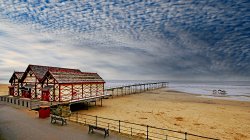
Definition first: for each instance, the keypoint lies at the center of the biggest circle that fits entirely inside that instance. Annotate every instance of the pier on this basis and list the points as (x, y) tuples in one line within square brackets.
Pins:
[(114, 91), (135, 88)]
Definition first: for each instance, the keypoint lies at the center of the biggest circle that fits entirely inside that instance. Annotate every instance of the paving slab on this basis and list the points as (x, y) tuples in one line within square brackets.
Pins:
[(21, 124)]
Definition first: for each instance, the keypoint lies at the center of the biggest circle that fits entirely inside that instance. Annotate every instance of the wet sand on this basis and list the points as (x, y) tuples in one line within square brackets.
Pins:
[(215, 118)]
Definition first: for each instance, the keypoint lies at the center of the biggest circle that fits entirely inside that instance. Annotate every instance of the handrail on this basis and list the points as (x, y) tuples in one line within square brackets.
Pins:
[(116, 125)]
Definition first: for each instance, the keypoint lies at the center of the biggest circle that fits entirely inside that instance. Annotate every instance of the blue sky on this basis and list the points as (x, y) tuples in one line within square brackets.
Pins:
[(121, 39)]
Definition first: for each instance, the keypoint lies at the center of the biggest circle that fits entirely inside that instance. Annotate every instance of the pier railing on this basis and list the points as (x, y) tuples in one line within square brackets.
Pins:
[(135, 129), (135, 88)]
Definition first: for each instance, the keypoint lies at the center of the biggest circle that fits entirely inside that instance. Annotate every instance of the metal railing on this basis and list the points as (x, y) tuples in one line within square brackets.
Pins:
[(134, 88), (135, 129)]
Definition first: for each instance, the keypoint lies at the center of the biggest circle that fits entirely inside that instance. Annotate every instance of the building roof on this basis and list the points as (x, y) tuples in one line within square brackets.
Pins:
[(75, 77), (40, 71), (17, 75)]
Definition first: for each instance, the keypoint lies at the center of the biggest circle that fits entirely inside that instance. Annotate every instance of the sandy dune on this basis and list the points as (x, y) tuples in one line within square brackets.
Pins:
[(179, 111)]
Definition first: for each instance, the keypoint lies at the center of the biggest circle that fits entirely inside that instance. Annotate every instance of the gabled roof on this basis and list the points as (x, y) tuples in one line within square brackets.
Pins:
[(17, 75), (75, 77), (40, 71)]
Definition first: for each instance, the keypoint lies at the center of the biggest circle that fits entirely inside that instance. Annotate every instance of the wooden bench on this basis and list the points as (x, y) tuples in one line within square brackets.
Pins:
[(92, 127), (54, 118)]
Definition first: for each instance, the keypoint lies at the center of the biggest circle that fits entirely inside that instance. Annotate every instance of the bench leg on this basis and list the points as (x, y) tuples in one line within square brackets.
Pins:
[(91, 130), (52, 119), (62, 121), (106, 133)]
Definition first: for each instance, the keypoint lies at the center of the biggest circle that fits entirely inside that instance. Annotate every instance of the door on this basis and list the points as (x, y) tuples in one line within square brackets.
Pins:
[(11, 91), (25, 93), (45, 95)]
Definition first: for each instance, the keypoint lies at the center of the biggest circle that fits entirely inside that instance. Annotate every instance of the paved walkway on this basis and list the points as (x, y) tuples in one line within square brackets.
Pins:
[(17, 124)]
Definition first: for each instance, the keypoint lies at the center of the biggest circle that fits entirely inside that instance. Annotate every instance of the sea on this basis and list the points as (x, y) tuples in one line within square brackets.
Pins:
[(235, 90)]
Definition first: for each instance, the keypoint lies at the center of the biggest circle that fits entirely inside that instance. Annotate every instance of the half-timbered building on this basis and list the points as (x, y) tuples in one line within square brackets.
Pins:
[(15, 84), (32, 77), (56, 84), (62, 86)]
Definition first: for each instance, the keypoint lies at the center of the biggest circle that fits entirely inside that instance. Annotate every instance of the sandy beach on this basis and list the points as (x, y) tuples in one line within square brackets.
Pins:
[(221, 119), (4, 89)]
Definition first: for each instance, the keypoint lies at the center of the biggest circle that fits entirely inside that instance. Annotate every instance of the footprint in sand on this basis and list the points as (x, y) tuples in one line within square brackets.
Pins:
[(179, 118), (197, 124), (212, 127), (143, 118)]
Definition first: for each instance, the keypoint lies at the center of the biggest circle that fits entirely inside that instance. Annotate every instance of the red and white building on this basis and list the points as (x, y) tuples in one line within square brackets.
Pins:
[(15, 83), (57, 84)]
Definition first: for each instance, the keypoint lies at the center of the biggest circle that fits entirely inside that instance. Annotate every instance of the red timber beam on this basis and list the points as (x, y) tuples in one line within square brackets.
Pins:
[(83, 83), (82, 91), (72, 92), (54, 90), (59, 92)]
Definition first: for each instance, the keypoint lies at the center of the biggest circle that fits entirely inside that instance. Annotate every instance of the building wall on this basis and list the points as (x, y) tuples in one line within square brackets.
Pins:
[(31, 79), (15, 84), (38, 91), (54, 91), (79, 91)]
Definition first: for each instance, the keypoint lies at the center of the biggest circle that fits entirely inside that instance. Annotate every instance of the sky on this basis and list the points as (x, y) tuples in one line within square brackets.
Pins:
[(128, 40)]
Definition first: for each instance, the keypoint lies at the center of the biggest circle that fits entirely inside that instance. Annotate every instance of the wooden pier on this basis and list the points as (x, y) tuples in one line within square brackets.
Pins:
[(135, 88)]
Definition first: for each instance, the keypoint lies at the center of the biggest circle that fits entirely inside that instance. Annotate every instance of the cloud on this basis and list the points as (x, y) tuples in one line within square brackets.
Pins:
[(155, 39)]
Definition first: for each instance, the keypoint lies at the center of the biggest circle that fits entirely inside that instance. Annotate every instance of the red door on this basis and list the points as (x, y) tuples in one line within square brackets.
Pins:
[(45, 95), (11, 91), (26, 94)]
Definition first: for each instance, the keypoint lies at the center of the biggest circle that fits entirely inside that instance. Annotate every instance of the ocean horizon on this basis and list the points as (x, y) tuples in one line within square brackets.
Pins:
[(236, 90)]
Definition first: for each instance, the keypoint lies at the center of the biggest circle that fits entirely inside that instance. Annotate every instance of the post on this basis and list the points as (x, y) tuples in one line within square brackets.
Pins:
[(147, 132), (96, 121), (185, 135), (166, 137), (112, 93), (76, 116), (30, 104), (131, 131), (119, 126)]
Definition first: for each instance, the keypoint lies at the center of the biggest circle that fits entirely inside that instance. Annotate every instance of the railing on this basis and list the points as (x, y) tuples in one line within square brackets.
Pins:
[(134, 129), (31, 104), (135, 88)]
